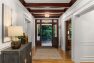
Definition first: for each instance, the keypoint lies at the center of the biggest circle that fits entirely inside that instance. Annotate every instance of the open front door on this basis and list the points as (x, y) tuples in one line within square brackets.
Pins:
[(38, 33), (55, 33), (46, 33)]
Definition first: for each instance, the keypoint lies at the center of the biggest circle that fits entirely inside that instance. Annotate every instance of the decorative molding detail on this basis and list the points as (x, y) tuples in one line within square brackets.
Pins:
[(86, 43), (77, 6)]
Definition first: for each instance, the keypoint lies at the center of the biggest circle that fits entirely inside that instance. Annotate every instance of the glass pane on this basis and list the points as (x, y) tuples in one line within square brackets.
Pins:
[(55, 30), (38, 21), (38, 32), (46, 21), (55, 21)]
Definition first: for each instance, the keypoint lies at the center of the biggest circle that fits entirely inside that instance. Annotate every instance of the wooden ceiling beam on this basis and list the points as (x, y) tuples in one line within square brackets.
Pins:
[(47, 11), (72, 2), (47, 5), (65, 9), (44, 14), (22, 1), (38, 11), (27, 5)]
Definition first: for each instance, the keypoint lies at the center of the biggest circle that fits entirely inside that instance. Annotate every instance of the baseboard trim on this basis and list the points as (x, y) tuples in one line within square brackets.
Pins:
[(86, 62)]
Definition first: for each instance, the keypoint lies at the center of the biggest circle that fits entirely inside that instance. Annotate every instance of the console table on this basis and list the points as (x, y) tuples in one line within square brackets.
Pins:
[(21, 55)]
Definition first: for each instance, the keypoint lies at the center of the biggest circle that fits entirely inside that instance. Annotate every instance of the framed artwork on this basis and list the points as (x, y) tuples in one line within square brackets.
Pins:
[(6, 22)]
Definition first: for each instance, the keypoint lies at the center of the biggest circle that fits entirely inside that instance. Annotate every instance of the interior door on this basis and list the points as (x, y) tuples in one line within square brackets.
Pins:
[(68, 35)]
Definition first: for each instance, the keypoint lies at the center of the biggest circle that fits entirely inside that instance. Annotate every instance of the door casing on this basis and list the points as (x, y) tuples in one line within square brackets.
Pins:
[(55, 40)]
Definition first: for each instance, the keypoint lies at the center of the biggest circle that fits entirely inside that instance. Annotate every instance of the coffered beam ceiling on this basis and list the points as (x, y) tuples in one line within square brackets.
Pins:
[(50, 11), (47, 4), (51, 15), (72, 2), (42, 8), (43, 14)]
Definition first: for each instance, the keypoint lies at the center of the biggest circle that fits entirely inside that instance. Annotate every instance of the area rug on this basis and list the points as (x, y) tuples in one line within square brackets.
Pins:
[(47, 53)]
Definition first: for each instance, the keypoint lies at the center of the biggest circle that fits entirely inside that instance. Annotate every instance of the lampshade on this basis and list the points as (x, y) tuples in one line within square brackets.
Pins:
[(15, 31)]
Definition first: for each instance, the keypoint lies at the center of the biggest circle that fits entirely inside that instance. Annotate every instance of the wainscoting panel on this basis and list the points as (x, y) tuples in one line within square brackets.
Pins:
[(87, 51)]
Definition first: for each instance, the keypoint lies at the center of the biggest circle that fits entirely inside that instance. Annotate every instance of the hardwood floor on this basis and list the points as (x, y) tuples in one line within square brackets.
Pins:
[(65, 56)]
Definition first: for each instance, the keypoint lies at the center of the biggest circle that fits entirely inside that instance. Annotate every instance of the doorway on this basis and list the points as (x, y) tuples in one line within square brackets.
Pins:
[(68, 28), (46, 36), (46, 32)]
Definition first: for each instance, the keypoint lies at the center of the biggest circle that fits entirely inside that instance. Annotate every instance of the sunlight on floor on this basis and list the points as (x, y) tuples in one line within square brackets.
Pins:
[(46, 43)]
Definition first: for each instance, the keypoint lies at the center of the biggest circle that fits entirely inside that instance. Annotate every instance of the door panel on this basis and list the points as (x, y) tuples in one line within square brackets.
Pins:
[(38, 33), (55, 34)]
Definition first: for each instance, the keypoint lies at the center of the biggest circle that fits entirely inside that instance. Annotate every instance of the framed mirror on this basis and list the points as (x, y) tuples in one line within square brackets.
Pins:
[(6, 22)]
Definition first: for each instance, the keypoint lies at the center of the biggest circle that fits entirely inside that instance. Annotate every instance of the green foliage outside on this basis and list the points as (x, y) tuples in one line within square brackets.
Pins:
[(46, 32)]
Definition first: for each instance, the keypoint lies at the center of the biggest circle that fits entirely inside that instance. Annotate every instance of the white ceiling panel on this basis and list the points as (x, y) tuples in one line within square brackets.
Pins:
[(47, 1), (47, 8)]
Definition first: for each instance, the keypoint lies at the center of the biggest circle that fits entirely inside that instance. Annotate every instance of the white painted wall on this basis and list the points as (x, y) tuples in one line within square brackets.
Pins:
[(31, 32), (82, 30), (83, 37), (78, 6), (62, 34), (19, 13)]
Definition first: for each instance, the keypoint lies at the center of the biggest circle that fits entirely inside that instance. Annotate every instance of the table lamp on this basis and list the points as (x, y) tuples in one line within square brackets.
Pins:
[(14, 32)]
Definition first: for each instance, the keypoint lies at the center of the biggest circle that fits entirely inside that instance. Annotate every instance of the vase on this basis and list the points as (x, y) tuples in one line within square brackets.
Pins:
[(15, 44)]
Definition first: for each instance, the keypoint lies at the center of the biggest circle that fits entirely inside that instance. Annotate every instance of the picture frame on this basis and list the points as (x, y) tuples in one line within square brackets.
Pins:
[(6, 22)]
